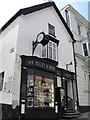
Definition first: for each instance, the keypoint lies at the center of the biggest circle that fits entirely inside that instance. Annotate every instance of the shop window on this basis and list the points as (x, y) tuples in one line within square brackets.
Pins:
[(51, 29), (40, 91), (1, 80), (79, 29), (85, 49)]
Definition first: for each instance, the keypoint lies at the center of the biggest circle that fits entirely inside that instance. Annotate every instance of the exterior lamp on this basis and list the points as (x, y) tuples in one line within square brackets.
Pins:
[(68, 65), (40, 39)]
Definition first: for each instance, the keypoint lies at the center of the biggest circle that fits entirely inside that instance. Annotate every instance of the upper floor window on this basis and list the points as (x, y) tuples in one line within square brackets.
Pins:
[(1, 80), (50, 50), (89, 48), (79, 29), (51, 29), (89, 78), (88, 35), (44, 51), (67, 18), (85, 49)]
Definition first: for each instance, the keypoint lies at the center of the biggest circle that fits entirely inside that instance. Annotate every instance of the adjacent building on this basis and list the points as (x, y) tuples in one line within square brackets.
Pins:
[(80, 28)]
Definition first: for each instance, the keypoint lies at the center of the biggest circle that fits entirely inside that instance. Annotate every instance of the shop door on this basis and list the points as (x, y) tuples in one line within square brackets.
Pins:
[(67, 98)]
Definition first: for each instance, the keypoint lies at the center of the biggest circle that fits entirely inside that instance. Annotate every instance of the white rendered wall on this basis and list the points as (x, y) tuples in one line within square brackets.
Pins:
[(34, 23), (8, 39)]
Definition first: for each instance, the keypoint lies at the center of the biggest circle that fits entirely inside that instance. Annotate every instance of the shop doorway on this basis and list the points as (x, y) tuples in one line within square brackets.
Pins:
[(67, 94)]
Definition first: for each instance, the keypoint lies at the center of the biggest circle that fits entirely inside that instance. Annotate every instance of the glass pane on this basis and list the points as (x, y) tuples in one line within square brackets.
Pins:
[(30, 90), (51, 29), (50, 49), (1, 80), (89, 48), (54, 51), (85, 49), (54, 54), (44, 92), (79, 29), (43, 51)]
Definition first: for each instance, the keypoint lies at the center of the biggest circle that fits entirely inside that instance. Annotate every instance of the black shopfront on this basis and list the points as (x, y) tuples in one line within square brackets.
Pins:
[(44, 88)]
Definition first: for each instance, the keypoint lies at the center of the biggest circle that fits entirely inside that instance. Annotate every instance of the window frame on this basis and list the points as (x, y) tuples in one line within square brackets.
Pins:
[(32, 97), (42, 51), (2, 80), (79, 29), (50, 31), (85, 50), (52, 51), (47, 50)]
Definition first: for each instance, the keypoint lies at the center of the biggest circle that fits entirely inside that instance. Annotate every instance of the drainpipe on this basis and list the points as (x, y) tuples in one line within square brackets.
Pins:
[(75, 65)]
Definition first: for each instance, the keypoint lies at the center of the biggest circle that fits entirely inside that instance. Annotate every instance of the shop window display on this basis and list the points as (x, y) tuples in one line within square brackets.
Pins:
[(40, 91)]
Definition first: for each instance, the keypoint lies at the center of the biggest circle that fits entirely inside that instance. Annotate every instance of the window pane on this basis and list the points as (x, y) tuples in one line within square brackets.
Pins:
[(79, 29), (54, 54), (89, 48), (85, 49), (54, 51), (1, 80), (88, 34), (44, 51), (51, 29), (30, 90), (44, 92), (67, 18), (50, 49)]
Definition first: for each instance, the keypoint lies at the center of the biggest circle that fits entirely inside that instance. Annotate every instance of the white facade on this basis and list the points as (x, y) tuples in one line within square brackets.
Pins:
[(80, 28), (17, 40)]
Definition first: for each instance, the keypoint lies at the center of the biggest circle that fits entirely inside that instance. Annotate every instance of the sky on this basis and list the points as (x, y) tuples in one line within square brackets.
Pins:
[(9, 7)]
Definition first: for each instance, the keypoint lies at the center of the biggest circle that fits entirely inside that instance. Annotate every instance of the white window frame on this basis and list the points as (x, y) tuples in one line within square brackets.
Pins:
[(52, 50), (47, 51), (50, 31), (79, 31), (42, 51)]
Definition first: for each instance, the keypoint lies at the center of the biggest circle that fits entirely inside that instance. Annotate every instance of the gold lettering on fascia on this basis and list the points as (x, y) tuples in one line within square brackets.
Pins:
[(41, 65)]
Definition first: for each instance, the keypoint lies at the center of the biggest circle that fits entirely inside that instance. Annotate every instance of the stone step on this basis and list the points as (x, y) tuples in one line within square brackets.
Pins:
[(71, 116), (72, 113)]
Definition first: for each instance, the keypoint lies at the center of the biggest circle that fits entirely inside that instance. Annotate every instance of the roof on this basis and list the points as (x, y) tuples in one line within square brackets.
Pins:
[(35, 8)]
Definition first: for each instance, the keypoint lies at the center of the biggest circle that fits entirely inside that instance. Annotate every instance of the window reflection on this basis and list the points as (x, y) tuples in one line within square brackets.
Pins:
[(40, 91)]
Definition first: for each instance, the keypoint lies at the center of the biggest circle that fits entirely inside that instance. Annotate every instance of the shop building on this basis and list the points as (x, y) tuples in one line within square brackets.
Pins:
[(37, 64), (81, 31)]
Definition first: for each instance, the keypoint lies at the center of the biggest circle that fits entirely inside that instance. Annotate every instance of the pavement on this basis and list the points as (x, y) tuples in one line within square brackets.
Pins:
[(84, 116)]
